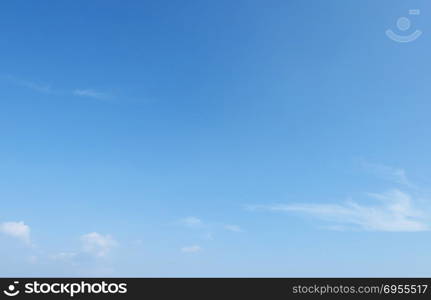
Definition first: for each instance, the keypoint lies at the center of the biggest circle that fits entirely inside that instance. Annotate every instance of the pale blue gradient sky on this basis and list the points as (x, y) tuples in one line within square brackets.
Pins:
[(214, 138)]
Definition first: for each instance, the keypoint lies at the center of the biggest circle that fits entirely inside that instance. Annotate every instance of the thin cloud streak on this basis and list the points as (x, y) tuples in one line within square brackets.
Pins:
[(48, 89), (97, 244), (395, 175), (91, 94), (35, 86), (233, 228), (192, 222), (191, 249), (394, 212)]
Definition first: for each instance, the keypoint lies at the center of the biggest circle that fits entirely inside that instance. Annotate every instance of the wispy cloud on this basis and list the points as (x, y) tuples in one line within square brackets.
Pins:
[(394, 211), (233, 228), (92, 245), (395, 175), (192, 222), (49, 89), (91, 94), (92, 258), (36, 86), (206, 229), (191, 249), (18, 230), (97, 244), (64, 256)]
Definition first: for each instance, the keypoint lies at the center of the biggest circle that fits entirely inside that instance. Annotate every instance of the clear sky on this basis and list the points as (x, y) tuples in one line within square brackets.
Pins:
[(214, 138)]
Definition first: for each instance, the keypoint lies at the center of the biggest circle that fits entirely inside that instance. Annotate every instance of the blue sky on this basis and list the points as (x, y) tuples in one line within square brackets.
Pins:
[(214, 138)]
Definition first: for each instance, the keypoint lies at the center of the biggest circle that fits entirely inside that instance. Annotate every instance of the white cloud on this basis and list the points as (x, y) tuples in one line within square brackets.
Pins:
[(43, 88), (64, 256), (191, 249), (90, 93), (233, 228), (39, 87), (394, 212), (395, 175), (192, 222), (97, 244), (48, 89), (17, 230)]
